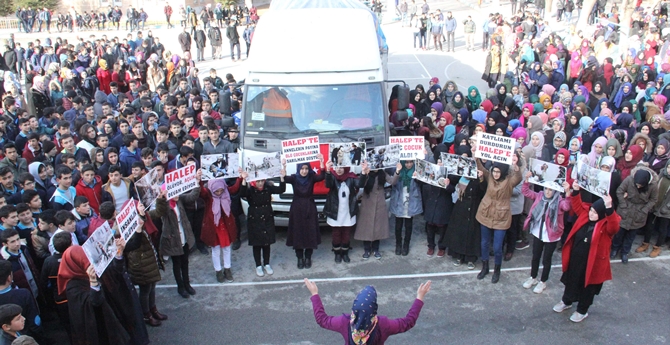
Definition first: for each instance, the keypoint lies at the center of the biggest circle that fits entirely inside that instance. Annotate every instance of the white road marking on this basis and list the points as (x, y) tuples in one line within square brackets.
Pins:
[(447, 75), (421, 63), (384, 277)]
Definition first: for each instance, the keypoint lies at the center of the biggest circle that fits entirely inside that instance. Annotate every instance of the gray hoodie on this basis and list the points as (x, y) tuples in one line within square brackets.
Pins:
[(100, 97)]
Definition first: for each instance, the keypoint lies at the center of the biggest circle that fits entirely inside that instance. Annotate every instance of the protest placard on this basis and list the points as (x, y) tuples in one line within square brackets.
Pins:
[(180, 181), (459, 165), (128, 219), (410, 147), (346, 154), (594, 180), (301, 150), (382, 157), (495, 148), (223, 165), (100, 248), (262, 167), (430, 173), (149, 188), (547, 174)]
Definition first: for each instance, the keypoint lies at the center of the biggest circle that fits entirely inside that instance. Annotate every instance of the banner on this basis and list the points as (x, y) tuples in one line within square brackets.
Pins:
[(430, 173), (100, 248), (180, 181), (382, 157), (495, 148), (223, 165), (301, 150), (459, 165), (128, 219), (346, 154), (410, 147), (595, 181), (262, 167), (148, 188), (547, 174)]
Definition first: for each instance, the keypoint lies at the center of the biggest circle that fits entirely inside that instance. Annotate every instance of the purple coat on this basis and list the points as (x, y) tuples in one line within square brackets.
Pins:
[(563, 205), (387, 327)]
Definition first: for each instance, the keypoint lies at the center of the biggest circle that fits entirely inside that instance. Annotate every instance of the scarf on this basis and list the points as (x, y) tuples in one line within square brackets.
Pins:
[(219, 202), (363, 321), (346, 175), (449, 134), (562, 136), (406, 175), (34, 169), (617, 147), (540, 146), (550, 205), (73, 265), (520, 133), (303, 180), (566, 157), (594, 158), (461, 103), (476, 100), (642, 177)]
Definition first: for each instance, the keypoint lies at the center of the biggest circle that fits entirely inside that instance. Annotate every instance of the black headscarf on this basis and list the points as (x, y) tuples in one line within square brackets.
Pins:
[(379, 175), (642, 177), (504, 168), (599, 207)]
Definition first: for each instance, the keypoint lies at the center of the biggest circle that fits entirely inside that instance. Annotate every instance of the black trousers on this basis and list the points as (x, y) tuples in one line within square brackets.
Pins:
[(539, 248), (435, 229), (513, 232), (195, 217), (623, 240), (582, 295), (660, 224), (304, 253), (398, 229), (266, 255), (180, 267), (371, 246), (147, 297)]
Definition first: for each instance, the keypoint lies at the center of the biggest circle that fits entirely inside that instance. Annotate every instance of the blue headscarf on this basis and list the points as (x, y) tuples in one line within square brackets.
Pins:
[(363, 321), (601, 124), (514, 124), (479, 115), (560, 70), (648, 94), (596, 111), (620, 95), (449, 134), (303, 180)]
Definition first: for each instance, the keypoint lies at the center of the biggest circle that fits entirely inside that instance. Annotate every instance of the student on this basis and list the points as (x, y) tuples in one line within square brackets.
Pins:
[(67, 141), (341, 208), (66, 222), (9, 217), (9, 185), (12, 294), (42, 183), (49, 278), (26, 225), (111, 159), (84, 214), (34, 201), (130, 153), (26, 182), (25, 272), (12, 322), (33, 148), (162, 135), (46, 227), (180, 160), (118, 189), (90, 186), (63, 196), (137, 171), (12, 160)]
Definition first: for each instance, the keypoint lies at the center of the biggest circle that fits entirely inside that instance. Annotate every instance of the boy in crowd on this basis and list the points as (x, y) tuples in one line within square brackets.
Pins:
[(137, 171), (33, 149), (83, 214), (22, 137), (47, 227), (26, 225), (118, 189), (90, 186), (130, 153), (34, 201), (25, 272), (67, 141), (9, 217), (9, 185), (66, 222), (63, 197), (12, 323), (147, 156), (12, 160), (22, 297), (26, 182), (162, 136)]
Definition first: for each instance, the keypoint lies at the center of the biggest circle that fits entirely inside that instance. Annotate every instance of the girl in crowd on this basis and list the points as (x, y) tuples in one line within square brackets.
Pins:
[(341, 208), (373, 219), (660, 219), (303, 224), (405, 202)]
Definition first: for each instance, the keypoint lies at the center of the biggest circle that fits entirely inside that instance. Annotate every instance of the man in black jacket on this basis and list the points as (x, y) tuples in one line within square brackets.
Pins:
[(215, 40), (200, 42), (10, 59), (185, 40), (234, 39)]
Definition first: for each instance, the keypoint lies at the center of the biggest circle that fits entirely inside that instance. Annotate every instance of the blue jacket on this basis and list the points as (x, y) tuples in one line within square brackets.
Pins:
[(113, 100), (82, 224), (450, 24), (396, 204), (59, 201), (129, 158)]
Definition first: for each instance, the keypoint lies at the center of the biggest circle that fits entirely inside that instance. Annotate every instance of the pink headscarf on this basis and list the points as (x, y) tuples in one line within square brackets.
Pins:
[(544, 117), (660, 101), (549, 89), (219, 202)]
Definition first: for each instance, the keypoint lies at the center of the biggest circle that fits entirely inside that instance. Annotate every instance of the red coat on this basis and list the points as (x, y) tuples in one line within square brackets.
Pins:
[(104, 77), (598, 268), (208, 234), (94, 195)]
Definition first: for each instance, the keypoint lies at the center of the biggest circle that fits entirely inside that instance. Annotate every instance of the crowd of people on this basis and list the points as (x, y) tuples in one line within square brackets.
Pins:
[(83, 121)]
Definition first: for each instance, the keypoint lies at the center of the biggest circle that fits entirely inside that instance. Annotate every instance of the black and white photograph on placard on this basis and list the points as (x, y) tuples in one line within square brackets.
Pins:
[(100, 248), (459, 165), (264, 166), (149, 188), (547, 174), (430, 173), (346, 154), (223, 165), (594, 180), (382, 157)]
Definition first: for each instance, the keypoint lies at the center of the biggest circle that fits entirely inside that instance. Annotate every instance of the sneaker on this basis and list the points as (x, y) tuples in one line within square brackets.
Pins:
[(259, 271), (269, 270), (457, 262), (624, 258), (529, 283), (440, 253), (228, 274), (219, 276), (430, 252), (522, 245), (540, 287), (471, 265), (378, 255), (366, 255), (577, 317), (560, 306)]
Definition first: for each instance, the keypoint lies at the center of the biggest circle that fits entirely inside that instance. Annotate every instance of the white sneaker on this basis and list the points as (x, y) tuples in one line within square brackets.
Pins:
[(259, 271), (530, 282), (268, 269), (560, 306), (540, 287), (577, 317)]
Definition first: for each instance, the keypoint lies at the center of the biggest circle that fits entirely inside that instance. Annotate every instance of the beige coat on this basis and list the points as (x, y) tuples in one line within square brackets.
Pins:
[(495, 209)]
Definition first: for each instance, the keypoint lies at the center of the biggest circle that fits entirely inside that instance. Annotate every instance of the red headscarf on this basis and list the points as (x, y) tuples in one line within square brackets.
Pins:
[(488, 106), (625, 167), (73, 265), (341, 178), (608, 73), (566, 156)]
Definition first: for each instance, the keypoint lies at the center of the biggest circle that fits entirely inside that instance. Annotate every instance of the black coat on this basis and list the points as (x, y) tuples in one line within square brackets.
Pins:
[(215, 37), (10, 60), (200, 39), (40, 102), (185, 41), (260, 217), (333, 200), (231, 33), (463, 236), (437, 203)]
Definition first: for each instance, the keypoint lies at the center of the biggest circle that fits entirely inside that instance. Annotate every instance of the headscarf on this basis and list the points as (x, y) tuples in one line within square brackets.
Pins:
[(562, 136), (487, 105), (544, 117), (660, 101), (548, 89), (599, 207), (479, 115), (38, 84), (540, 146), (648, 94), (566, 157), (643, 178), (585, 93), (601, 124), (303, 180), (546, 205), (476, 100), (219, 202), (460, 104), (10, 79), (103, 64), (449, 134), (406, 174), (73, 265), (666, 145), (535, 124), (363, 320), (617, 146), (345, 175), (594, 158), (514, 124), (437, 106), (34, 169), (561, 109), (538, 108), (504, 169), (465, 117), (607, 161), (584, 123), (620, 95), (519, 133), (544, 98)]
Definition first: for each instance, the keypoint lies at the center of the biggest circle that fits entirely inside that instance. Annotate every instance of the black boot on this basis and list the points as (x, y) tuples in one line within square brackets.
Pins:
[(398, 246), (345, 253), (188, 288), (308, 262), (301, 263), (338, 256), (405, 247), (181, 291), (496, 274), (484, 271)]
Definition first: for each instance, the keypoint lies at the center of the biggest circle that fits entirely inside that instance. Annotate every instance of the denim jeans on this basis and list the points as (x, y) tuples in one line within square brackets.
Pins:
[(498, 237), (623, 240)]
